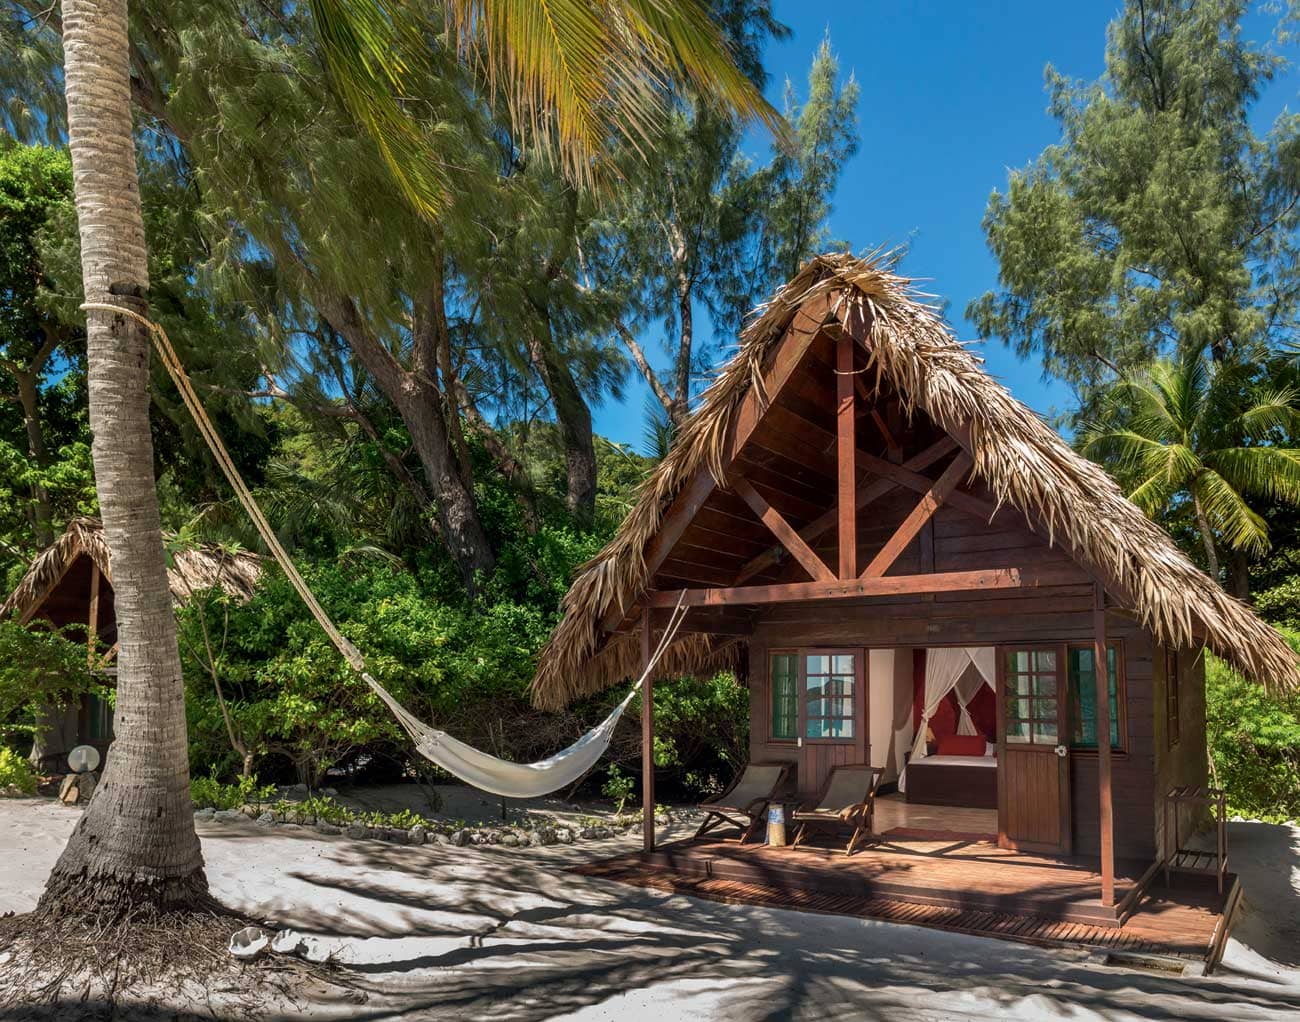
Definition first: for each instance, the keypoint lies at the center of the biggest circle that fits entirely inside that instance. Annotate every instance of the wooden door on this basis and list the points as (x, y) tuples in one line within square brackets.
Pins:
[(1033, 754), (832, 714)]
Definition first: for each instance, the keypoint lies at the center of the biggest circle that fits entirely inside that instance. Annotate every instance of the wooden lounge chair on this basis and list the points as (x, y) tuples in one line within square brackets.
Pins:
[(847, 802), (744, 804)]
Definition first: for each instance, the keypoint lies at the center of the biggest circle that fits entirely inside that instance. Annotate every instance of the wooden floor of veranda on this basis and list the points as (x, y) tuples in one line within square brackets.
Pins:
[(959, 884)]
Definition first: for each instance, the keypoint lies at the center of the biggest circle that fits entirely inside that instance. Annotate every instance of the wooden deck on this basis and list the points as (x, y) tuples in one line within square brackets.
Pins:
[(964, 886)]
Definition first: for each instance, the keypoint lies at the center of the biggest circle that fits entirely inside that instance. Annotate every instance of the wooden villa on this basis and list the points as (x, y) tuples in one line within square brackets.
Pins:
[(910, 570), (69, 586)]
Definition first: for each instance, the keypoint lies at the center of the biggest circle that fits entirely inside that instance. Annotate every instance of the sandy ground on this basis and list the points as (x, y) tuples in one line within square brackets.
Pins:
[(436, 932)]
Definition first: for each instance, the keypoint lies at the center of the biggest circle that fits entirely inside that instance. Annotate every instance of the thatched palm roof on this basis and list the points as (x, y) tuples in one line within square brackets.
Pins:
[(193, 568), (1016, 455)]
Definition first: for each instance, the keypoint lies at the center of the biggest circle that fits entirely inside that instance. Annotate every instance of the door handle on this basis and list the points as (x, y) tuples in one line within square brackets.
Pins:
[(1061, 751), (798, 743)]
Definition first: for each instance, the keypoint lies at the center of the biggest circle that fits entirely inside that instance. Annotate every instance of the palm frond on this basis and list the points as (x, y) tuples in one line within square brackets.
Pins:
[(1239, 526), (1272, 472)]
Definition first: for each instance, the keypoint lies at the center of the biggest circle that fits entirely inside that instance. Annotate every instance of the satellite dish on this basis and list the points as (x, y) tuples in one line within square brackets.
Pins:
[(83, 759)]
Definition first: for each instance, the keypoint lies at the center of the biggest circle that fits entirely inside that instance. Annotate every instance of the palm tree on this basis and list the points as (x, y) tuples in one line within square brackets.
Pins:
[(135, 845), (570, 72), (1205, 435)]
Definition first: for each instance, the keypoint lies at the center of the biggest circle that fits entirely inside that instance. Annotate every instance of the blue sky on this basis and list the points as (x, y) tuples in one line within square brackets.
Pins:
[(951, 97)]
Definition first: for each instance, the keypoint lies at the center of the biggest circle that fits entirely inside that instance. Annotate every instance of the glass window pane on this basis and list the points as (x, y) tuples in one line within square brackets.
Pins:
[(818, 664), (1044, 660), (1045, 731), (843, 663), (1045, 686), (1017, 732)]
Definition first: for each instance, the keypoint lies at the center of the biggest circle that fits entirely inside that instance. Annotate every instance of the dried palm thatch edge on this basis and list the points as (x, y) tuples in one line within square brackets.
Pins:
[(194, 569), (1022, 460)]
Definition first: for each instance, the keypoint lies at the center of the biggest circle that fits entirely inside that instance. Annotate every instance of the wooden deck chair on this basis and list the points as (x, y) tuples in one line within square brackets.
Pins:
[(847, 802), (744, 804)]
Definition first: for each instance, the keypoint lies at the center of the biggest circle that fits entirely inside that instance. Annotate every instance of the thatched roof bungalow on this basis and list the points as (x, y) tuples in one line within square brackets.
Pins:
[(891, 548), (70, 586)]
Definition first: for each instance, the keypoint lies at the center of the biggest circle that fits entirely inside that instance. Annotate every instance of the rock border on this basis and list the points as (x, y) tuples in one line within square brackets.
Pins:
[(541, 833)]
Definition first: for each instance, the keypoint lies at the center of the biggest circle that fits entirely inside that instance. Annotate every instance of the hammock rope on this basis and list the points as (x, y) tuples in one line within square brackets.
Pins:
[(501, 777)]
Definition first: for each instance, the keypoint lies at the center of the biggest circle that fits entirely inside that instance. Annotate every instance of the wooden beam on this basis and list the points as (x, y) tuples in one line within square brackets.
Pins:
[(790, 350), (647, 741), (783, 531), (887, 585), (929, 503), (845, 442), (904, 475), (819, 526), (1101, 669), (92, 617)]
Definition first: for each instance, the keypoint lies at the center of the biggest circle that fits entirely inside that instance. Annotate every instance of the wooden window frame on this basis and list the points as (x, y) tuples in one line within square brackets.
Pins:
[(858, 695), (1173, 698), (772, 654), (1005, 674), (1121, 700)]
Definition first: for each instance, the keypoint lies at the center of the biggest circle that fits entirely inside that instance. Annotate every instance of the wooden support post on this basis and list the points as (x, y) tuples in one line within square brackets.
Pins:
[(1102, 674), (922, 513), (92, 619), (846, 445), (784, 532), (647, 741)]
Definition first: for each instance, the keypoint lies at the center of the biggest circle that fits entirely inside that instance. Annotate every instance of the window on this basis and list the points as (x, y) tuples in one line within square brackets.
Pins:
[(1031, 709), (1083, 697), (1172, 709), (99, 719), (828, 695), (784, 682)]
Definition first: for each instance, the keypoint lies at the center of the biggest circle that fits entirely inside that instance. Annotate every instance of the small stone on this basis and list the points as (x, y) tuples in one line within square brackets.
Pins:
[(327, 828), (416, 835), (252, 812), (297, 789), (329, 792), (564, 836), (460, 838), (357, 830), (396, 834), (266, 819), (206, 813), (86, 787), (510, 839), (227, 815)]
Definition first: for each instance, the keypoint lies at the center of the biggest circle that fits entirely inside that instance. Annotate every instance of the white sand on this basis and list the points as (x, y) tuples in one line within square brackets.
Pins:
[(436, 932)]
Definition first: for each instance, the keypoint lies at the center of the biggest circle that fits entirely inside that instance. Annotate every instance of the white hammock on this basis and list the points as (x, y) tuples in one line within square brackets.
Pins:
[(499, 776), (520, 780)]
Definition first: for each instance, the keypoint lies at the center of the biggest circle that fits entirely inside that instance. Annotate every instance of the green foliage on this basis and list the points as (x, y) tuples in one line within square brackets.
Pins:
[(210, 793), (1212, 436), (1254, 743), (618, 786), (38, 667), (16, 771), (1161, 220)]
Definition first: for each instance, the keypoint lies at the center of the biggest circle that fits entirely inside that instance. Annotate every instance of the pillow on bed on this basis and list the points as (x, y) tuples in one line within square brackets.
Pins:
[(961, 745)]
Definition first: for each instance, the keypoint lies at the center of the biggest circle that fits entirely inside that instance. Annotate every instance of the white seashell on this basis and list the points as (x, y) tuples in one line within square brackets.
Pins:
[(249, 942), (286, 942)]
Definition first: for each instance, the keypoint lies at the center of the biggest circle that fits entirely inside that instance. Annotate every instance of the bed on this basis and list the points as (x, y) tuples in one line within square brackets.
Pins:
[(954, 777)]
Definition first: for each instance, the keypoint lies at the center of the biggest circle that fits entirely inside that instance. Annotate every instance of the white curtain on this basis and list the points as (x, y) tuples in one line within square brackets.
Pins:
[(943, 669), (969, 684)]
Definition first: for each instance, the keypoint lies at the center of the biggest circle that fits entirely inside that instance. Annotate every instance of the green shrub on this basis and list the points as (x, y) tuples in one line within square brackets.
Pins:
[(618, 786), (1254, 742), (210, 793), (15, 770)]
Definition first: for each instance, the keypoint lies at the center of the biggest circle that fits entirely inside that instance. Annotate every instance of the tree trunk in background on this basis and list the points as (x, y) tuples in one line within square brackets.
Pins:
[(573, 418), (28, 396), (135, 845), (1239, 575)]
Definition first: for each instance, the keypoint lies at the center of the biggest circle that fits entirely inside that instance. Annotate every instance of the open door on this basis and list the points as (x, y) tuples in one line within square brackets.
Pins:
[(832, 714), (1033, 757)]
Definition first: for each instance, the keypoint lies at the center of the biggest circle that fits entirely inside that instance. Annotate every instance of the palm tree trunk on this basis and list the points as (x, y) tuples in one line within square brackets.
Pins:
[(1207, 537), (135, 846)]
